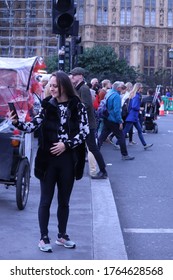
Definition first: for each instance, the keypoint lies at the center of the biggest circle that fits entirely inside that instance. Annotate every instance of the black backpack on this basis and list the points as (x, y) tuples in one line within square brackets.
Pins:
[(124, 112)]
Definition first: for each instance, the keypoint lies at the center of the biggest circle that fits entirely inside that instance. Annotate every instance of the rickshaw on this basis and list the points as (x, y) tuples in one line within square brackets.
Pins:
[(15, 145)]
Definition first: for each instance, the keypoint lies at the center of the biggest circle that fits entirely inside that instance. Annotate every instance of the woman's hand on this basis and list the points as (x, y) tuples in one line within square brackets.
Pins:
[(13, 117), (120, 126), (58, 148)]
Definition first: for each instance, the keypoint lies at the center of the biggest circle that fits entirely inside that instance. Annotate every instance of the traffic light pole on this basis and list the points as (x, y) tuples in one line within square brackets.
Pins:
[(61, 52)]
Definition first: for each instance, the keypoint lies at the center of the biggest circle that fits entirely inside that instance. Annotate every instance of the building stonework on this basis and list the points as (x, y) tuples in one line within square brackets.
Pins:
[(26, 29)]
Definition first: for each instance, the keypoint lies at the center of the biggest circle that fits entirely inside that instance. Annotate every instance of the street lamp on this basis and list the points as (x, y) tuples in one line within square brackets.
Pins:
[(171, 58), (171, 53)]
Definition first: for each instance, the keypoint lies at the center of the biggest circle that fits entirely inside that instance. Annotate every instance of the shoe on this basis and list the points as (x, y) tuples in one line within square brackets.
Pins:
[(127, 157), (100, 175), (147, 146), (65, 241), (110, 140), (132, 143), (117, 147), (44, 244)]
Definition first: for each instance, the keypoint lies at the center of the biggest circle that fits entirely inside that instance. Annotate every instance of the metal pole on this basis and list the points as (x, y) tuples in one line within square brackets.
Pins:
[(61, 52)]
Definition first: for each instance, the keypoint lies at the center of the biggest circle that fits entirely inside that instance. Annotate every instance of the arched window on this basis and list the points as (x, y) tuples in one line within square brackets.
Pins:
[(150, 12), (124, 53), (170, 13), (125, 12), (102, 12), (80, 11), (149, 60)]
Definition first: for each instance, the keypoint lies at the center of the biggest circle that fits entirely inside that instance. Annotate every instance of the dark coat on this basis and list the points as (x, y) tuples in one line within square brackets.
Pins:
[(48, 135), (84, 93), (149, 100)]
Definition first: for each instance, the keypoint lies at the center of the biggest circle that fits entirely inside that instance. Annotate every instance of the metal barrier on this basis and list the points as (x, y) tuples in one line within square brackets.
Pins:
[(168, 103)]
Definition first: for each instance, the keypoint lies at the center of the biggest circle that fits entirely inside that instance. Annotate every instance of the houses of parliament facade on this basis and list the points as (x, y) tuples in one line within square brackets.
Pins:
[(141, 31)]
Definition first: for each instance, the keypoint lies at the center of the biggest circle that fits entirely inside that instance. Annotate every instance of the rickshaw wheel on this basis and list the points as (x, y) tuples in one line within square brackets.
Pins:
[(156, 128), (22, 183)]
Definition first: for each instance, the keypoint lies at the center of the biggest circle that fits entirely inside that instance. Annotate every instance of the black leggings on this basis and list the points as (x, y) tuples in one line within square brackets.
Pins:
[(61, 172)]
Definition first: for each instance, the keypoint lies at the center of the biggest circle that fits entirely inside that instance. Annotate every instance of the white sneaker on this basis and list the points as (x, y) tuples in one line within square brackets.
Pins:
[(44, 244), (147, 146), (65, 241), (132, 143)]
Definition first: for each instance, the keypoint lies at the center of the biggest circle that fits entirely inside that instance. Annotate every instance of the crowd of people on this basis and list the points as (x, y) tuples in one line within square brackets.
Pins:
[(70, 129)]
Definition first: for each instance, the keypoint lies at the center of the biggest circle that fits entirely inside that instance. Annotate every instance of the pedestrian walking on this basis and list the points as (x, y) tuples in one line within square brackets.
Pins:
[(125, 100), (133, 115), (105, 86), (113, 123), (85, 95), (60, 157)]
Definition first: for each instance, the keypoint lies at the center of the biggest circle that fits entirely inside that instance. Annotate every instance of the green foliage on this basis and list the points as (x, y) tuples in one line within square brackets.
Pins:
[(101, 61), (160, 77), (51, 63)]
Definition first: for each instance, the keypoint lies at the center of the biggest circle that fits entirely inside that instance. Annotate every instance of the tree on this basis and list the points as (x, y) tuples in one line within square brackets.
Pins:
[(51, 63), (102, 62), (160, 77)]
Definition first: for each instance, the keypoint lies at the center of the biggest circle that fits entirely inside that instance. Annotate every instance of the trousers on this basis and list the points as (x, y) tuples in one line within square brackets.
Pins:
[(137, 125), (94, 149), (60, 172), (112, 127)]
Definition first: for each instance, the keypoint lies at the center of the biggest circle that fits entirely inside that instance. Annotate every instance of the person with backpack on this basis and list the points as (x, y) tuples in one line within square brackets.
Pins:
[(113, 122), (105, 86), (124, 112)]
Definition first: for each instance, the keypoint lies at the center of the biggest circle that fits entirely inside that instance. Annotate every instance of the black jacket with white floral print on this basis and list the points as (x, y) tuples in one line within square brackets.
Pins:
[(66, 122)]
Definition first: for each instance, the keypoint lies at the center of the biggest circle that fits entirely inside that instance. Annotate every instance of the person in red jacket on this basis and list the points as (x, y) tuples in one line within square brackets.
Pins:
[(106, 84)]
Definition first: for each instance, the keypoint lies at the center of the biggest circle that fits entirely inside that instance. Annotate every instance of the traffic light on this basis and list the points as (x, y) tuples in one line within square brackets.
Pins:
[(67, 49), (63, 16), (75, 41), (76, 49), (79, 50)]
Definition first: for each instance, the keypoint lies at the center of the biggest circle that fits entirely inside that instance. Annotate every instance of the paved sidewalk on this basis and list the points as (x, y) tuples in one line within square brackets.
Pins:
[(93, 224)]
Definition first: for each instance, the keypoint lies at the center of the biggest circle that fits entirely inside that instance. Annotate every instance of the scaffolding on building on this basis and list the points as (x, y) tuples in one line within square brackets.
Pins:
[(26, 29)]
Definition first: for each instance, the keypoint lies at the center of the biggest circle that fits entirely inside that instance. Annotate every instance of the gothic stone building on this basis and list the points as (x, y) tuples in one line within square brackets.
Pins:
[(141, 31)]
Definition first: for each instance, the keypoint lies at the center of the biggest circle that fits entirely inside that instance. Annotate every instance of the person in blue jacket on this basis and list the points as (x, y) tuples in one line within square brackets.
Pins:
[(133, 113), (167, 92), (114, 123)]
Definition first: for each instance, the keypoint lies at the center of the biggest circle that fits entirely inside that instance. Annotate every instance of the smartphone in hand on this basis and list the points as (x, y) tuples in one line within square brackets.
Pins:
[(13, 108)]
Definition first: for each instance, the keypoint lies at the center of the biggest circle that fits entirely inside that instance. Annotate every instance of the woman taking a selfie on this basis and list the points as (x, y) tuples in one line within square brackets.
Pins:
[(60, 157)]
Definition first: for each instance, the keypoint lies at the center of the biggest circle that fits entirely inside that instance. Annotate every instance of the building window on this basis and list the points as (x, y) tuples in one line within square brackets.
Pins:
[(80, 11), (102, 12), (168, 64), (124, 53), (170, 13), (149, 60), (125, 12), (150, 12), (4, 51)]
